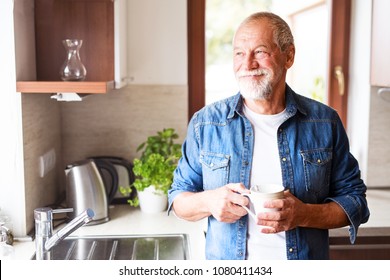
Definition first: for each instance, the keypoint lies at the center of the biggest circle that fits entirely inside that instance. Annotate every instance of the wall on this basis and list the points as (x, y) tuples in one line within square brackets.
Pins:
[(116, 123), (358, 117), (41, 133), (41, 126), (157, 42)]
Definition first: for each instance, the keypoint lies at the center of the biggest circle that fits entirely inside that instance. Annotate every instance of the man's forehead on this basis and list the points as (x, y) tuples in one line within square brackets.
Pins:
[(254, 31)]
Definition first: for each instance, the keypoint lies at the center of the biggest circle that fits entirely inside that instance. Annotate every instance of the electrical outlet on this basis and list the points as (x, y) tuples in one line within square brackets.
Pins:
[(47, 162)]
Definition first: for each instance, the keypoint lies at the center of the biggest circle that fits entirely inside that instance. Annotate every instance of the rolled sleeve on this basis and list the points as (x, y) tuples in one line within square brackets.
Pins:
[(356, 210), (349, 190), (188, 174)]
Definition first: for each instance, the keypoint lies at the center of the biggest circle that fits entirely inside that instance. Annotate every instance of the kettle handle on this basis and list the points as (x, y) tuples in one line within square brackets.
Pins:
[(104, 164)]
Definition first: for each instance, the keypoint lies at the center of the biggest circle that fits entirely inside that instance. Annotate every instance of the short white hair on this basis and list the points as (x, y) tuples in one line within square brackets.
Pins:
[(282, 32)]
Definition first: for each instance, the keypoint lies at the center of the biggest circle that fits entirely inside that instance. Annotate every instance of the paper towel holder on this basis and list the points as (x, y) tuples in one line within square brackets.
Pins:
[(68, 96)]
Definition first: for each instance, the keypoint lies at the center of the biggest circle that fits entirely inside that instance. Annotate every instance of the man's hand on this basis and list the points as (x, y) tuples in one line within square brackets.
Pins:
[(291, 210), (294, 213), (225, 202)]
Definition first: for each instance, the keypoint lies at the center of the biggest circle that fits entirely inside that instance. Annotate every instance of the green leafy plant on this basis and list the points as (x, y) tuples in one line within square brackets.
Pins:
[(163, 144), (156, 164)]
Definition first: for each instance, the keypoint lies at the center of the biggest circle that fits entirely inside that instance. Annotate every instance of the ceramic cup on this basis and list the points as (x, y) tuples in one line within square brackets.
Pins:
[(260, 194)]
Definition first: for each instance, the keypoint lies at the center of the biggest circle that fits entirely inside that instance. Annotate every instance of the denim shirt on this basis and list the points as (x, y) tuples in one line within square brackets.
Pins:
[(317, 167)]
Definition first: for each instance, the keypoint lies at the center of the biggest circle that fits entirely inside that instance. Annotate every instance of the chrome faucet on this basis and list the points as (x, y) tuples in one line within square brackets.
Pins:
[(44, 238)]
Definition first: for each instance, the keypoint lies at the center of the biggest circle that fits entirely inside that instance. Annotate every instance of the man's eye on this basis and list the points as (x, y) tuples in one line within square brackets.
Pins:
[(261, 53)]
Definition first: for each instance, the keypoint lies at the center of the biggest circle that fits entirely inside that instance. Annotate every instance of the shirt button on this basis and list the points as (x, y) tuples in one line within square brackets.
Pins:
[(318, 160), (291, 250), (284, 159)]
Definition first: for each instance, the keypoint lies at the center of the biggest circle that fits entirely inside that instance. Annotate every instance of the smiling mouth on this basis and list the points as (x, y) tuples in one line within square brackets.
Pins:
[(250, 74), (252, 77)]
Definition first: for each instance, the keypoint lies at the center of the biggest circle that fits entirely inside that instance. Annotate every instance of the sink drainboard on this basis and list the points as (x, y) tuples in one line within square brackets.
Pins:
[(128, 247)]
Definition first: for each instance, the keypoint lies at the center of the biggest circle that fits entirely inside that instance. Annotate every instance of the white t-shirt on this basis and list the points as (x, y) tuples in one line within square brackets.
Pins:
[(266, 169)]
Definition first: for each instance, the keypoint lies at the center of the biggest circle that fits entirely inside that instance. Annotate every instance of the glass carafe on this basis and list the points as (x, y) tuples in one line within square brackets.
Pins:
[(73, 69)]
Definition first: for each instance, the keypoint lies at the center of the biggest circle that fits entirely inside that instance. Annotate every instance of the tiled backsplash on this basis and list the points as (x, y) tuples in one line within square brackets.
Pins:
[(41, 133), (116, 123)]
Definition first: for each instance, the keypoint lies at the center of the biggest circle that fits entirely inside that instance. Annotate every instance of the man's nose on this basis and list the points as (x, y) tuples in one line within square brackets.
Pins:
[(250, 62)]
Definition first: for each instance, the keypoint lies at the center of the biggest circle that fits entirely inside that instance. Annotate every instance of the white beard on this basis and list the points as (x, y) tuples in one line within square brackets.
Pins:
[(255, 89)]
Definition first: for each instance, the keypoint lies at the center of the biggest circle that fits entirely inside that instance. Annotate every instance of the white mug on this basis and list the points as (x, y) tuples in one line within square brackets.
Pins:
[(260, 194)]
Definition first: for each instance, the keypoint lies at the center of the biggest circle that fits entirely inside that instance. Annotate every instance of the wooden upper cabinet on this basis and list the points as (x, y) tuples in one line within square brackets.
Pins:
[(89, 20), (380, 44)]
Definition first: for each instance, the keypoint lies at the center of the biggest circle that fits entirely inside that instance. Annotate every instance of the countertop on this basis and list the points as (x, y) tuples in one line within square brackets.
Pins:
[(125, 220)]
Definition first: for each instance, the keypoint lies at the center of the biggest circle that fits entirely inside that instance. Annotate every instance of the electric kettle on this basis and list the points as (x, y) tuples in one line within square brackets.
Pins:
[(85, 188)]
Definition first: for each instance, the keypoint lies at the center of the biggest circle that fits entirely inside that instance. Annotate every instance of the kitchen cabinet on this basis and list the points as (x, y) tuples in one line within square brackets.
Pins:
[(380, 43), (101, 24)]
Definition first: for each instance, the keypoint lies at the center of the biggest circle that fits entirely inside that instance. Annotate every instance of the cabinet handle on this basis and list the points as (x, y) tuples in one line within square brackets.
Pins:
[(339, 74)]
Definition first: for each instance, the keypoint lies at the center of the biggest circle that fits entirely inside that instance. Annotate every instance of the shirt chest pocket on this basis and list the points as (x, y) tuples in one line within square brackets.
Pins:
[(215, 168), (317, 166)]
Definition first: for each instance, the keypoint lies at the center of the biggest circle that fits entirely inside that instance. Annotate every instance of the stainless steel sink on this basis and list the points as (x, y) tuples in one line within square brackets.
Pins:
[(123, 247)]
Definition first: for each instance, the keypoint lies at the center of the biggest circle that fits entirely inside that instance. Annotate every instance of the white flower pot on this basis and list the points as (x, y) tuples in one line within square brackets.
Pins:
[(152, 201)]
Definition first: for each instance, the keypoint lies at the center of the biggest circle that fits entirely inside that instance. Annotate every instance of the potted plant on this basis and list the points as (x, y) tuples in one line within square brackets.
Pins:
[(154, 171)]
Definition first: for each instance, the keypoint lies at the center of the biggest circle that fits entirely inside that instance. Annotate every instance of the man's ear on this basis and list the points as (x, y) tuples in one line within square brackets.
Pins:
[(290, 55)]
